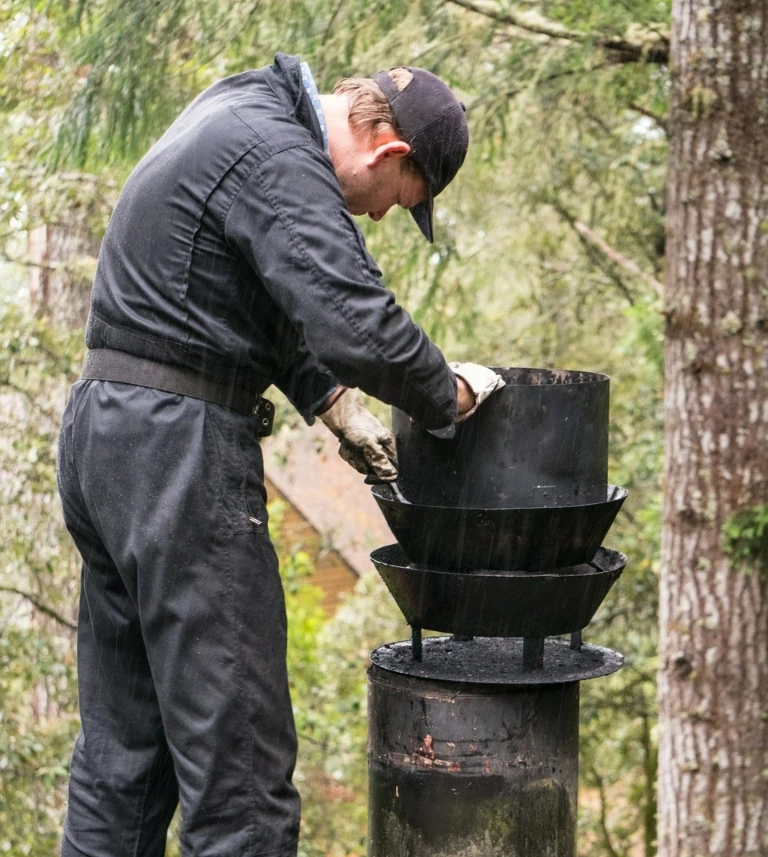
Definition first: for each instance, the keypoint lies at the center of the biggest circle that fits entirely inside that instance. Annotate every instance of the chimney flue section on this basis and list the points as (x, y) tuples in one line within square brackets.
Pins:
[(459, 769), (473, 739), (471, 753)]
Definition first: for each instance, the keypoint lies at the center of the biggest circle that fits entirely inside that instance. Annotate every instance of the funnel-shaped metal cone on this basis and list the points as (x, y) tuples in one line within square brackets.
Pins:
[(521, 539), (499, 604)]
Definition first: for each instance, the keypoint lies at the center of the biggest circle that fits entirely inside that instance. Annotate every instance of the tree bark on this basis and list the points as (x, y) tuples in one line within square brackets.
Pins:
[(713, 680), (63, 261)]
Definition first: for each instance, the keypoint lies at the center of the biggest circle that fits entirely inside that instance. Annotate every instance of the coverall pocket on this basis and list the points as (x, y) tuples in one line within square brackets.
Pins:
[(245, 499), (254, 495)]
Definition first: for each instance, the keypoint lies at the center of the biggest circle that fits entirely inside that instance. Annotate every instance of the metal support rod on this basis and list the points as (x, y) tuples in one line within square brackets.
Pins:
[(576, 641), (533, 653), (416, 641)]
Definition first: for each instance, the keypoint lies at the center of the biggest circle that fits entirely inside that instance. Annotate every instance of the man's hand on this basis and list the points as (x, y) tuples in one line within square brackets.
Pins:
[(475, 384), (466, 398), (366, 444)]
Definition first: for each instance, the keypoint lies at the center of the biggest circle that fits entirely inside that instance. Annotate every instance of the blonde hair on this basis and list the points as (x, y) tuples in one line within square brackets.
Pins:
[(368, 106)]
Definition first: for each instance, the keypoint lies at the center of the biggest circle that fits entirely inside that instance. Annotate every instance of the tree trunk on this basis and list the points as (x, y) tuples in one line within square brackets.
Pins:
[(64, 262), (713, 681)]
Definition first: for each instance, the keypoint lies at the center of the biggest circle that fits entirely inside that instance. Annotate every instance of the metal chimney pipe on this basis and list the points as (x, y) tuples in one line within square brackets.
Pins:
[(483, 765), (473, 739)]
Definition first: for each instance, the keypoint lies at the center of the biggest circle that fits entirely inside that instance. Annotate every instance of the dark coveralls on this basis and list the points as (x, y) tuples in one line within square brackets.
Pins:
[(230, 252)]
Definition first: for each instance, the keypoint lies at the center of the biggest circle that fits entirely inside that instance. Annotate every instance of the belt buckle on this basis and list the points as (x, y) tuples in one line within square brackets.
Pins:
[(265, 417)]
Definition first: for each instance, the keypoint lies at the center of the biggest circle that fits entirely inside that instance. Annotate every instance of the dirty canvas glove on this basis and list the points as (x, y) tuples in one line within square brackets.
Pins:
[(481, 380), (366, 444)]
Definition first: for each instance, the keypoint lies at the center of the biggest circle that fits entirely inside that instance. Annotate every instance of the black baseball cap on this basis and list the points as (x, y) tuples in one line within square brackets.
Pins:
[(433, 122)]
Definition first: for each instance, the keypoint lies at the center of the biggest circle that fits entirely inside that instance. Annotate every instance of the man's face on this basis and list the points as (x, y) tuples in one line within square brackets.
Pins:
[(373, 181)]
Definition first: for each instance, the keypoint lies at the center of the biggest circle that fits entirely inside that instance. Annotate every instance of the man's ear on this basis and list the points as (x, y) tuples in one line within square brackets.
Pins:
[(389, 149)]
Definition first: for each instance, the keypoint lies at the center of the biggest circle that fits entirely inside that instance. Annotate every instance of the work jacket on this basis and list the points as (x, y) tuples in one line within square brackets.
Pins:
[(231, 252)]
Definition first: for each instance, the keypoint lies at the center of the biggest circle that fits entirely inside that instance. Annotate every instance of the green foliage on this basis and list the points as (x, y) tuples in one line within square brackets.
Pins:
[(332, 770), (306, 617), (327, 658), (38, 573), (37, 728), (746, 539), (562, 134)]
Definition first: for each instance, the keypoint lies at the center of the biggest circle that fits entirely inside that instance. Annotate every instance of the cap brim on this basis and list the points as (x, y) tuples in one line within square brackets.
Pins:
[(422, 214)]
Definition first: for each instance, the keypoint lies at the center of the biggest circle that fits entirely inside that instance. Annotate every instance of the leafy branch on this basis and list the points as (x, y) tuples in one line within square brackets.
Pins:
[(649, 45), (591, 240), (618, 258), (603, 816), (661, 121), (26, 262), (38, 605)]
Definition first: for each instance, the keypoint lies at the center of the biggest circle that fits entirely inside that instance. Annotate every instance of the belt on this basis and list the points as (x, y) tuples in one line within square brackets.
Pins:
[(106, 364)]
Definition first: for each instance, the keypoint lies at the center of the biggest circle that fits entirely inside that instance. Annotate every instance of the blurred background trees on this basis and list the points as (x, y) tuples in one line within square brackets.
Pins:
[(549, 251)]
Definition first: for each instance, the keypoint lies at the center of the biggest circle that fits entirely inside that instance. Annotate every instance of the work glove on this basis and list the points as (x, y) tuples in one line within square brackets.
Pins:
[(481, 380), (365, 443)]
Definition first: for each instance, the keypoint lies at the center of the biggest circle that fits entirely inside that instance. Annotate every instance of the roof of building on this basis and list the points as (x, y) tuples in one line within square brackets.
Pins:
[(304, 465)]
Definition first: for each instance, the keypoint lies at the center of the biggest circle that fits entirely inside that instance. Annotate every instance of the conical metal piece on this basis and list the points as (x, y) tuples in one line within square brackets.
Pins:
[(531, 539), (499, 604)]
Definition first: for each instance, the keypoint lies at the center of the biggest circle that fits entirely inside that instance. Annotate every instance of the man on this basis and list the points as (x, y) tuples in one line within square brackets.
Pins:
[(231, 262)]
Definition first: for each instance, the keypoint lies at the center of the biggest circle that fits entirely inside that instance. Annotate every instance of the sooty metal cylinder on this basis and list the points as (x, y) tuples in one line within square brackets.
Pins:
[(459, 768), (540, 441)]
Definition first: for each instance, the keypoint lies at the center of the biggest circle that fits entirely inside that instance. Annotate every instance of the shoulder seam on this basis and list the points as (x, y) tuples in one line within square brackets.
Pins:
[(260, 163)]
